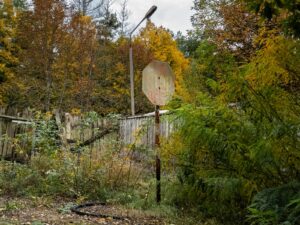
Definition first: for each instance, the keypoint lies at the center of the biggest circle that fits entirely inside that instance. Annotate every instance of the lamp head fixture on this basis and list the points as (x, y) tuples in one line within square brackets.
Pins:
[(150, 12)]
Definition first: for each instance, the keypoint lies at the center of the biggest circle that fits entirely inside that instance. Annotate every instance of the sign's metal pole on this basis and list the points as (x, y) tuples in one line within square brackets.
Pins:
[(157, 146)]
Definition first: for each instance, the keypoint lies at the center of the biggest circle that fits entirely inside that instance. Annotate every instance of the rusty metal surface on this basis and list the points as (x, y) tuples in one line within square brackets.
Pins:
[(157, 158), (158, 82)]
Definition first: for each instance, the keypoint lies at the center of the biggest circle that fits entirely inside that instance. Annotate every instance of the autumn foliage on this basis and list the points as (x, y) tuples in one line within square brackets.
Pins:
[(65, 60)]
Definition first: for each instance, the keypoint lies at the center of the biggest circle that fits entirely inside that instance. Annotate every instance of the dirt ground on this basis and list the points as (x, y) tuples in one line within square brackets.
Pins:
[(46, 211)]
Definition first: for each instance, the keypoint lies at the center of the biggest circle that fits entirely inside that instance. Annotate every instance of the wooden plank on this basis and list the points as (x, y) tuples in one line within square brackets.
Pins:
[(5, 141), (1, 147), (13, 118), (130, 126)]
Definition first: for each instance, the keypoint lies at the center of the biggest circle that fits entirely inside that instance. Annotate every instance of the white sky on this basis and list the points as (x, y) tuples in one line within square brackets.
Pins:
[(172, 14)]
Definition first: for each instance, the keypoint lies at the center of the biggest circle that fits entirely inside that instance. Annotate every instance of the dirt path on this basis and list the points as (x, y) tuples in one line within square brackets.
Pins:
[(43, 211)]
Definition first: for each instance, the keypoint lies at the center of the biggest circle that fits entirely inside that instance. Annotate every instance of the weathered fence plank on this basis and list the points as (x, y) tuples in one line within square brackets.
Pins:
[(139, 130)]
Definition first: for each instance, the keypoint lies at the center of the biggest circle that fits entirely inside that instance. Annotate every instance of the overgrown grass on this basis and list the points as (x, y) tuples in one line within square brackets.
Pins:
[(115, 180), (114, 174)]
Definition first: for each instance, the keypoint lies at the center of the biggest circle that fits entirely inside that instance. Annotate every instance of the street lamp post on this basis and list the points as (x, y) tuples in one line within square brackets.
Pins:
[(147, 16)]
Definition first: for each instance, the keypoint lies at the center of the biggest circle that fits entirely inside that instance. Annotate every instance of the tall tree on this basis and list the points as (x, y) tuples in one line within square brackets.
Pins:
[(286, 12), (229, 31), (123, 18), (107, 22), (77, 62), (40, 32), (188, 43), (10, 84), (7, 26), (20, 4), (87, 7)]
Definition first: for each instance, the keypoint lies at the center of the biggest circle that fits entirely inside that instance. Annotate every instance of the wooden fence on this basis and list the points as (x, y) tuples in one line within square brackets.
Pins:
[(71, 130), (140, 130), (89, 132), (11, 126)]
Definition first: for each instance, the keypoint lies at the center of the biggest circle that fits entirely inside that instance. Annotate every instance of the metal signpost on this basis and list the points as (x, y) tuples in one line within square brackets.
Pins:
[(158, 85)]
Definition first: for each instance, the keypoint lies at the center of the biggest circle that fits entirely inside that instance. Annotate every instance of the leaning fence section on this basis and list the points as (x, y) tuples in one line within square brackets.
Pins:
[(89, 132)]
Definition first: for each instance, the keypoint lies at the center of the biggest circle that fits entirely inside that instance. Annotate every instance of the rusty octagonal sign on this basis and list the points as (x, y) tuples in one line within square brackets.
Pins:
[(158, 82)]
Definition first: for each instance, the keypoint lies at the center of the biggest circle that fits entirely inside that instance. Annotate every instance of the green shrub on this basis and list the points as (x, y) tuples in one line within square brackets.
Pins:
[(280, 205), (226, 156)]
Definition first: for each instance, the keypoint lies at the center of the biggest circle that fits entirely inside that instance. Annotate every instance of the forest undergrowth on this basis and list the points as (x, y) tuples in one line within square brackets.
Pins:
[(115, 175)]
